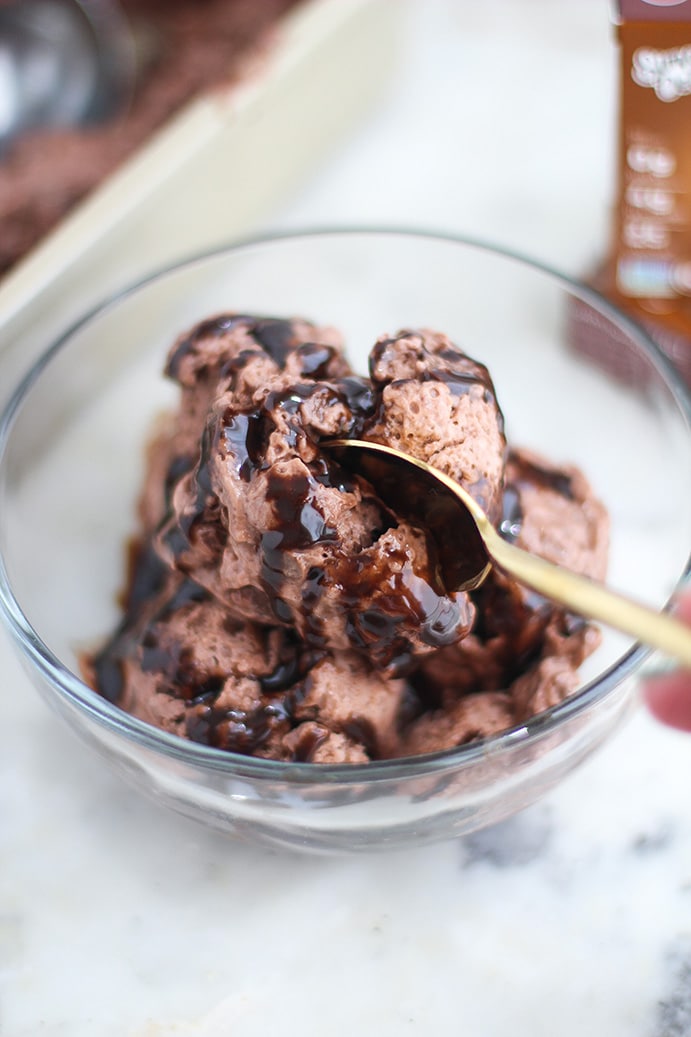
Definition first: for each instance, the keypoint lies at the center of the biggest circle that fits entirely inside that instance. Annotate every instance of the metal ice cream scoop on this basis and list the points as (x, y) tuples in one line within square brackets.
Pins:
[(468, 546), (62, 63)]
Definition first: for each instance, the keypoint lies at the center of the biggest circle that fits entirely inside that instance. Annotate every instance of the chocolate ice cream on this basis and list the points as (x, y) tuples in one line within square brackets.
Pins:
[(183, 47), (276, 606)]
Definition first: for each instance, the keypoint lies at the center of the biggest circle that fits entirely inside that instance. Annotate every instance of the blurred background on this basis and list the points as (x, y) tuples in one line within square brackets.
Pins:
[(499, 122), (494, 122)]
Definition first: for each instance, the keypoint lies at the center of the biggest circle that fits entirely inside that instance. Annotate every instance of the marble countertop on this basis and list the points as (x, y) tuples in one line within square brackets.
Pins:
[(117, 918)]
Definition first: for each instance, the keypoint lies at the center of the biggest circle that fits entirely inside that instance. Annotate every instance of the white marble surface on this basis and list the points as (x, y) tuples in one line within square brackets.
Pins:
[(575, 917)]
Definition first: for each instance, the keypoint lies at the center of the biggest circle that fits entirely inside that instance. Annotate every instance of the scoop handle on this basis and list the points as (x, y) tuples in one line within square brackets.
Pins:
[(593, 600)]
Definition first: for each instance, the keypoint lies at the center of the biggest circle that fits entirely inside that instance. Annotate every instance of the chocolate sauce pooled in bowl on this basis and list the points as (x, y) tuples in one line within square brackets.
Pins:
[(276, 606)]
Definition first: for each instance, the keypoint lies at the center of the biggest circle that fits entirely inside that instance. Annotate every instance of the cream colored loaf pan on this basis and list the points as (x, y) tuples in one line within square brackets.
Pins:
[(212, 174)]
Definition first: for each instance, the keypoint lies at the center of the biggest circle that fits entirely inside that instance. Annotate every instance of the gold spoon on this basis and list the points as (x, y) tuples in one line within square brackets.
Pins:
[(469, 545)]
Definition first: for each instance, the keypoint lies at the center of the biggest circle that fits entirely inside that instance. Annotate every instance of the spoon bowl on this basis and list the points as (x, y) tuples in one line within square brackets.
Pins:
[(468, 545)]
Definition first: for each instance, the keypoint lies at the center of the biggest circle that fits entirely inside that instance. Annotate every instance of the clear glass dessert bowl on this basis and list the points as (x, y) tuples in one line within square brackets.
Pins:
[(72, 439)]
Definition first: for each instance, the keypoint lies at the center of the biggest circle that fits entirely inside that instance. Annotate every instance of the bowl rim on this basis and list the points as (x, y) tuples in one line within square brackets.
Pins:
[(78, 694)]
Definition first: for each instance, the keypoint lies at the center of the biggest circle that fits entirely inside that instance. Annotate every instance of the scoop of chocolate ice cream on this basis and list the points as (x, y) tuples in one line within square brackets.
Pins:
[(272, 525), (524, 652), (181, 663), (439, 405)]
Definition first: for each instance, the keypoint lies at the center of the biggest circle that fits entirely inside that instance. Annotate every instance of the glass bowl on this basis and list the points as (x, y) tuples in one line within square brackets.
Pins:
[(71, 444)]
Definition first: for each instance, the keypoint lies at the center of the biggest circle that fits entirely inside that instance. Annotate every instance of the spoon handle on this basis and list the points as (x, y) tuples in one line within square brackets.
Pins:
[(594, 601)]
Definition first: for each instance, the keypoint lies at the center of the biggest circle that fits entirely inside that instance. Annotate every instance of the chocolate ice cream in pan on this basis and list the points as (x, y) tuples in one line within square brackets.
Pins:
[(277, 607), (166, 52)]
